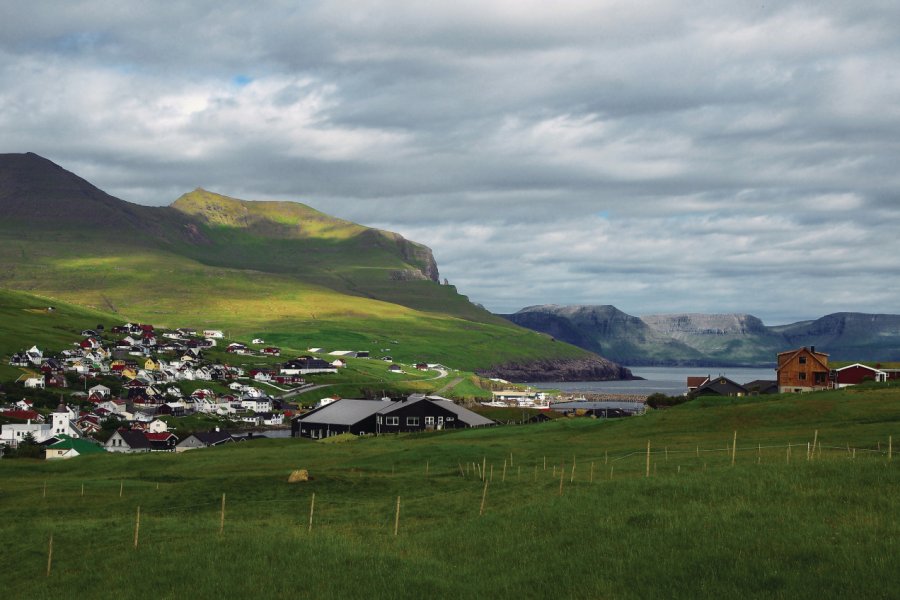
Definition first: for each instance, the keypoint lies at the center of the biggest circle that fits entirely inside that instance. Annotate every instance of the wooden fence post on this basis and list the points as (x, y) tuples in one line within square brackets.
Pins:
[(483, 496), (222, 516), (484, 468), (815, 441), (426, 468), (50, 555), (397, 517), (733, 447), (562, 474), (45, 488), (312, 508), (121, 487), (461, 472), (137, 526), (510, 458), (545, 462), (647, 474), (503, 478), (572, 480), (890, 447)]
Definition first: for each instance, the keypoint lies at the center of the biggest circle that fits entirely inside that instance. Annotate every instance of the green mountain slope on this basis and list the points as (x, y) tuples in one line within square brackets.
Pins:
[(278, 269)]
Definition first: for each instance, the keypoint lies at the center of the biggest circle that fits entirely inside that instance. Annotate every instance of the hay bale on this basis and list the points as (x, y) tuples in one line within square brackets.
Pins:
[(298, 475)]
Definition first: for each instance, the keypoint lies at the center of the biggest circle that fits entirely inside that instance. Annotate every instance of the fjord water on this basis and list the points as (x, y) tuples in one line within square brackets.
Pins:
[(671, 381)]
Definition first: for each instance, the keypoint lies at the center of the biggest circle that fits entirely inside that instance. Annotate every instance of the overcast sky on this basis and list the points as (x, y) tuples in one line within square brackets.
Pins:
[(659, 156)]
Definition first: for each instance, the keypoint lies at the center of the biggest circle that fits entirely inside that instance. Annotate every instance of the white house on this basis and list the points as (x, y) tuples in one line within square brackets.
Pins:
[(35, 355), (213, 333), (258, 341), (62, 423), (263, 404), (100, 390), (271, 418), (157, 426), (34, 382)]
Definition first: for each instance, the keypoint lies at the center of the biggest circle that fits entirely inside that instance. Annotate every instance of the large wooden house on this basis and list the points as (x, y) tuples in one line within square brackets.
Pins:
[(803, 370)]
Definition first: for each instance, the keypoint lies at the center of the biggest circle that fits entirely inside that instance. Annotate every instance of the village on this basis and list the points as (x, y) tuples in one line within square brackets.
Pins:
[(125, 390), (132, 381)]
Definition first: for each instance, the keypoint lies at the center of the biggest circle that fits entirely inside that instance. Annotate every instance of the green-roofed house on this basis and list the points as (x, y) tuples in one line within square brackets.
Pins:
[(69, 447)]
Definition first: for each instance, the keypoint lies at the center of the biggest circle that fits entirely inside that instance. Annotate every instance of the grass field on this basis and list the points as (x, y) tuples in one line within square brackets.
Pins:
[(770, 525)]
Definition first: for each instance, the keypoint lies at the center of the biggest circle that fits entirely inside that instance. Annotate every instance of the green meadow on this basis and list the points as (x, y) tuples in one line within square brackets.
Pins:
[(571, 508)]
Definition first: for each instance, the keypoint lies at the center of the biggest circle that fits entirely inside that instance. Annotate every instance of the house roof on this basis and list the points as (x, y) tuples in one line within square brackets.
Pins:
[(693, 382), (80, 445), (212, 438), (159, 437), (134, 439), (722, 386), (861, 366), (343, 412), (790, 354)]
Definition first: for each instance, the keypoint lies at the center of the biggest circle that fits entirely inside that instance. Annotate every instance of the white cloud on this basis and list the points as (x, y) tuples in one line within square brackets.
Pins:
[(655, 155)]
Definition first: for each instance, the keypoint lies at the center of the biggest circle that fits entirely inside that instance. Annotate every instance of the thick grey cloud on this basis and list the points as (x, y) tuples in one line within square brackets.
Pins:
[(654, 155)]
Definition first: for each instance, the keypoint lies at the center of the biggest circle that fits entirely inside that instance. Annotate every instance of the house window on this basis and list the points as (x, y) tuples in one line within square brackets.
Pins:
[(802, 376), (429, 421), (802, 360), (392, 420), (412, 421), (450, 419), (378, 419)]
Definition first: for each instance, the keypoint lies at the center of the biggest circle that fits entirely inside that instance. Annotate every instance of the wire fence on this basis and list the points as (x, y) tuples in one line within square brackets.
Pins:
[(462, 489)]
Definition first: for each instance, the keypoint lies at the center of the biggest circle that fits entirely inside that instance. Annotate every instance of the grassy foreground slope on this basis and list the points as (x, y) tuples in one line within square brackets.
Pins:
[(696, 527), (279, 269)]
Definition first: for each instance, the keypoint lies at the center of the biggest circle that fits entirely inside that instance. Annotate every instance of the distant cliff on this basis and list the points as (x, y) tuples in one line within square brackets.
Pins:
[(581, 369), (711, 339)]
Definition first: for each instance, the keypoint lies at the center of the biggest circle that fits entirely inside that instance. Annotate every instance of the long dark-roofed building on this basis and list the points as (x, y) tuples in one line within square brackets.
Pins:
[(359, 417)]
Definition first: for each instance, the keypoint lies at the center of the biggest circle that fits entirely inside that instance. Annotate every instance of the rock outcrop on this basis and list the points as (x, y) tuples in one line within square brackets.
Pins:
[(582, 369)]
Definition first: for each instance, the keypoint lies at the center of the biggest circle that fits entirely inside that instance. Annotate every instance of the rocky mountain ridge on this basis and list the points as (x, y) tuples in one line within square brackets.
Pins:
[(691, 339)]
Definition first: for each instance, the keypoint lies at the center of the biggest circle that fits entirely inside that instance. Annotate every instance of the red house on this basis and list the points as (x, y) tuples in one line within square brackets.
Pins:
[(857, 373)]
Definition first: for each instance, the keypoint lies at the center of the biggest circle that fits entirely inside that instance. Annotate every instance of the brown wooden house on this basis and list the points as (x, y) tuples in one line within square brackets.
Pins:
[(803, 370)]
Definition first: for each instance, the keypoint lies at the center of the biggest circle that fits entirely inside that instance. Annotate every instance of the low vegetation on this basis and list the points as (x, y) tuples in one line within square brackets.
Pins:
[(570, 509)]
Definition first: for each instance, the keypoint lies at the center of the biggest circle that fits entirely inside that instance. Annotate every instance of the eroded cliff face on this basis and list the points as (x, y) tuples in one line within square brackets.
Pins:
[(583, 369)]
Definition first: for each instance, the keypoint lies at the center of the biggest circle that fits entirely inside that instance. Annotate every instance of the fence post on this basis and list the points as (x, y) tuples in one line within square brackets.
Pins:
[(312, 508), (483, 496), (503, 478), (397, 517), (121, 487), (647, 474), (733, 447), (815, 441), (137, 526), (222, 517), (562, 474)]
